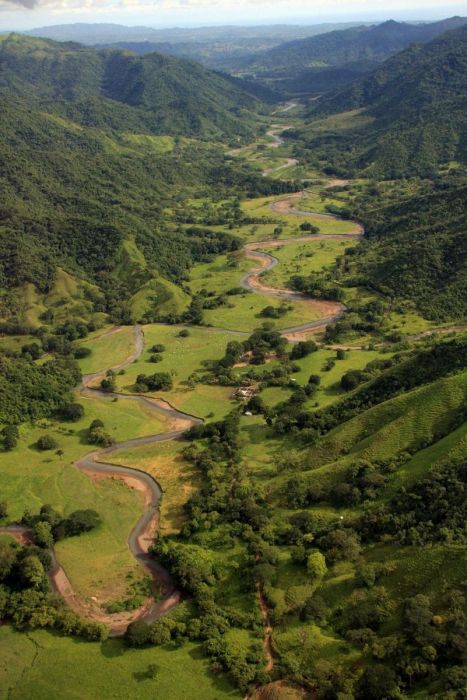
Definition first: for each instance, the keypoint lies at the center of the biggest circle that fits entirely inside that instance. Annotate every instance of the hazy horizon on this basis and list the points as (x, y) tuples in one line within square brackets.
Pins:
[(164, 14)]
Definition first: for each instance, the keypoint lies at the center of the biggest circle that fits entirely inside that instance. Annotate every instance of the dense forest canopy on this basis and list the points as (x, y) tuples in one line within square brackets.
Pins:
[(116, 89)]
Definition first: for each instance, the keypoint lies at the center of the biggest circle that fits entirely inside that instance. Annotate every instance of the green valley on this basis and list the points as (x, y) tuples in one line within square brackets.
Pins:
[(233, 374)]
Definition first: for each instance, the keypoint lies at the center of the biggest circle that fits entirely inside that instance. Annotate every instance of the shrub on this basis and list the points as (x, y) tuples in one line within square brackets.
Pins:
[(10, 435), (81, 352), (47, 442), (72, 412)]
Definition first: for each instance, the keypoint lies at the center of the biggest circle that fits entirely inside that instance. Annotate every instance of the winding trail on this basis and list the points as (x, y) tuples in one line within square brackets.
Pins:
[(329, 311), (97, 464), (142, 535)]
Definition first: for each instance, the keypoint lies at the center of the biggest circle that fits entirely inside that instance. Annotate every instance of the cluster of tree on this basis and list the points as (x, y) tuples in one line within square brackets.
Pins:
[(317, 284), (48, 525), (274, 311), (30, 391), (98, 436), (431, 510), (159, 381), (25, 598)]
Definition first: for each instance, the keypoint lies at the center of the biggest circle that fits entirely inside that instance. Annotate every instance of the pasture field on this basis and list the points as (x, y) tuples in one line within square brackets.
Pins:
[(106, 350), (243, 311), (302, 259), (98, 561), (33, 663), (183, 357), (314, 201), (260, 207)]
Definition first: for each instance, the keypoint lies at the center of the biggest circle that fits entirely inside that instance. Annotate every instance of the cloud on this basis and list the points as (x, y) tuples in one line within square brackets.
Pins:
[(28, 4)]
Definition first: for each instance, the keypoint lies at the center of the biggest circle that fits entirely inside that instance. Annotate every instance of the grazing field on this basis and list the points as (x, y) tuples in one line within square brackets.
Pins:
[(33, 663), (183, 357), (96, 562), (242, 312), (290, 223), (107, 349), (302, 259)]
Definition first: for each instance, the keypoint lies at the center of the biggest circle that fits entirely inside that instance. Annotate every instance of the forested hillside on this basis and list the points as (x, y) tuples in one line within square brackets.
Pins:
[(88, 186), (114, 89), (416, 246), (412, 114), (322, 63)]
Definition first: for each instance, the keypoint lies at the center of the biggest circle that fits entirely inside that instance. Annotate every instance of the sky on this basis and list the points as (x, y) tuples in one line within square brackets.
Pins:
[(25, 14)]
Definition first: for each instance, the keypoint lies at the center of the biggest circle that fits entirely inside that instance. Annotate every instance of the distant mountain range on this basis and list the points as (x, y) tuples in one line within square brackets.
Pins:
[(221, 48), (100, 33), (331, 60)]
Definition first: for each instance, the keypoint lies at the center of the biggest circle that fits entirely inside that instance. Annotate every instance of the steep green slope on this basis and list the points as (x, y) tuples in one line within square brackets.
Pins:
[(416, 246), (416, 101)]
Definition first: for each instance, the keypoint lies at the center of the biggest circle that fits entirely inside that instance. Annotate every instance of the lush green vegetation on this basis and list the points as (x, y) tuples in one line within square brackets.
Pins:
[(416, 103), (316, 516)]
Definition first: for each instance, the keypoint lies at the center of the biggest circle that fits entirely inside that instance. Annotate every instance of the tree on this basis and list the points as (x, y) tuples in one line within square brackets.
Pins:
[(72, 412), (47, 442), (81, 521), (108, 384), (340, 544), (160, 632), (32, 571), (137, 633), (7, 560), (81, 352), (302, 349), (3, 510), (43, 534), (306, 226), (316, 565), (10, 435), (377, 683)]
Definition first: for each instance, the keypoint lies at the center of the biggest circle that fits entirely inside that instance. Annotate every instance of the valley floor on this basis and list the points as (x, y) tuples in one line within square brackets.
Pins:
[(124, 483)]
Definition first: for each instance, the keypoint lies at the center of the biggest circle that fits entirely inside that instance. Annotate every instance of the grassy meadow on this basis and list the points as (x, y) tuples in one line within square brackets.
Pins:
[(33, 663)]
